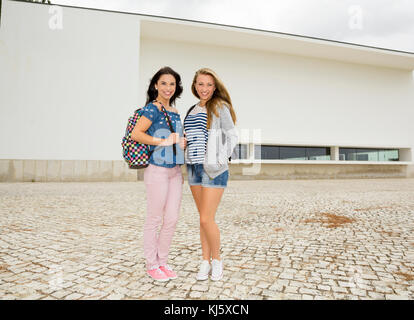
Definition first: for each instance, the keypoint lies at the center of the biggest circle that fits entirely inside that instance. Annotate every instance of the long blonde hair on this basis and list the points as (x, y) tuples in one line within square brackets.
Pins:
[(219, 98)]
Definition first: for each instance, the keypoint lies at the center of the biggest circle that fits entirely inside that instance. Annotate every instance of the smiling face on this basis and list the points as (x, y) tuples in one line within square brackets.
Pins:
[(205, 87), (166, 86)]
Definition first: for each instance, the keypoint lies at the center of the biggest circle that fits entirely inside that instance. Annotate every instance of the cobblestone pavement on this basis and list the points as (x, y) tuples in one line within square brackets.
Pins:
[(285, 239)]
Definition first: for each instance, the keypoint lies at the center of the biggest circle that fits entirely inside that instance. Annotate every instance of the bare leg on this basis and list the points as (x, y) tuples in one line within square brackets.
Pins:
[(196, 191), (210, 200)]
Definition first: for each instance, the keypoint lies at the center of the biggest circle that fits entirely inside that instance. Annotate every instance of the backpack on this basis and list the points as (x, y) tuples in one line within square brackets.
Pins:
[(137, 155)]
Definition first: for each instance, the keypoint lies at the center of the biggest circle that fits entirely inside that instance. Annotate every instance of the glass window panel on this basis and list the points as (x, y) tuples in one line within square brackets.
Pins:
[(346, 154), (366, 154), (266, 152), (393, 155), (240, 152), (293, 153), (388, 155), (321, 153), (318, 153), (351, 154)]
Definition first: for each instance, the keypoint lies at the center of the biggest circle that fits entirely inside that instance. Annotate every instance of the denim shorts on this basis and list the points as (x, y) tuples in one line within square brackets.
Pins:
[(198, 177)]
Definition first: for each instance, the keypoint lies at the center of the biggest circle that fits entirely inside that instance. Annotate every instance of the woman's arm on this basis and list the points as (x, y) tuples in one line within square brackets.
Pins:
[(139, 135), (228, 128)]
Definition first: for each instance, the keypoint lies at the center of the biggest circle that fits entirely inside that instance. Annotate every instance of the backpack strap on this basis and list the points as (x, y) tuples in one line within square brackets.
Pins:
[(189, 110), (167, 118)]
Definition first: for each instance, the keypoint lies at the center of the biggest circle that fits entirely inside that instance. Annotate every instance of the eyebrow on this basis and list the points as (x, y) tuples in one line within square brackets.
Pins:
[(201, 82)]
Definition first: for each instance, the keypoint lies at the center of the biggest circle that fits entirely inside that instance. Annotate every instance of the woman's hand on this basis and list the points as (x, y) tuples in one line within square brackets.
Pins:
[(183, 143), (172, 139)]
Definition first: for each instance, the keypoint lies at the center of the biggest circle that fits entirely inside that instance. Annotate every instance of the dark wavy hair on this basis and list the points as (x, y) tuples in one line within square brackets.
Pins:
[(152, 93)]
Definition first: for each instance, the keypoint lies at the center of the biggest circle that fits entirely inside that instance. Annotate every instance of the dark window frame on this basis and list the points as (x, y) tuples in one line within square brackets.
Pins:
[(282, 152)]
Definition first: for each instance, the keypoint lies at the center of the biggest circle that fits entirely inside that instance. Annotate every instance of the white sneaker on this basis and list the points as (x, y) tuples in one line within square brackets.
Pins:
[(217, 270), (204, 271)]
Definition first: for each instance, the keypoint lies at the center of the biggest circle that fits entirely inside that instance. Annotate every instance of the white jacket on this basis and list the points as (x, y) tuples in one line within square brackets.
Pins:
[(222, 139)]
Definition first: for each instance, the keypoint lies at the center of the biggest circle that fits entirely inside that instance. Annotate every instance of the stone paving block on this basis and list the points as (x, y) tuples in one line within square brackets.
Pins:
[(396, 297), (358, 292), (324, 288), (60, 294), (33, 296), (201, 288), (115, 296), (84, 241), (195, 294), (292, 290), (308, 291), (292, 296), (339, 290), (376, 295), (74, 296)]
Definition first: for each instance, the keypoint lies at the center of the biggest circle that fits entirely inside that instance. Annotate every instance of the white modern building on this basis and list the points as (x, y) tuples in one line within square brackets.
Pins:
[(307, 108)]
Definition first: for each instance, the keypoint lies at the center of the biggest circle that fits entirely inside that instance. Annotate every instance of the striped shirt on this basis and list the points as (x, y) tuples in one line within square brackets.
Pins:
[(195, 126)]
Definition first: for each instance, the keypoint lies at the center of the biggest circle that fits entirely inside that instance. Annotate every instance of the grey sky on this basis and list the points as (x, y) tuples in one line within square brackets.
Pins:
[(379, 23)]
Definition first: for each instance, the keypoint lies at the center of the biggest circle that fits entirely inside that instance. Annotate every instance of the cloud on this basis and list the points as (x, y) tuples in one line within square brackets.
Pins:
[(379, 23)]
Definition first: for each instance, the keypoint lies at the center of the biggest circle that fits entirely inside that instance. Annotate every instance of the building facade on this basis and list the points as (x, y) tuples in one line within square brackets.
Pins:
[(307, 108)]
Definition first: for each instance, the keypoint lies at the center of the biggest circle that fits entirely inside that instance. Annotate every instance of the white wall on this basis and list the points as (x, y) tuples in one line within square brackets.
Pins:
[(66, 94), (297, 100)]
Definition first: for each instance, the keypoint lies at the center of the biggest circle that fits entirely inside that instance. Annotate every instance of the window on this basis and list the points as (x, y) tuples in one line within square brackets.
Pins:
[(388, 155), (265, 152), (318, 153), (240, 151), (292, 153), (358, 154)]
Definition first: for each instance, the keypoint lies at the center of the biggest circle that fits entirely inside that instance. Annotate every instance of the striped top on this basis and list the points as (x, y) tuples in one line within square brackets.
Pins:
[(195, 126)]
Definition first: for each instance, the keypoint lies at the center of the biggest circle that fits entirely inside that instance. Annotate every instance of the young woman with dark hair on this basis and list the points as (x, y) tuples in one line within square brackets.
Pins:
[(163, 178)]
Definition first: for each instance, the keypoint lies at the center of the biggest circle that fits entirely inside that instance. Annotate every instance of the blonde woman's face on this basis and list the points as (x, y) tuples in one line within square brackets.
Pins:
[(205, 87)]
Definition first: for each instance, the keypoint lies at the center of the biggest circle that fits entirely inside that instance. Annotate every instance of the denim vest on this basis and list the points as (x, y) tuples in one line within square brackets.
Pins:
[(163, 156)]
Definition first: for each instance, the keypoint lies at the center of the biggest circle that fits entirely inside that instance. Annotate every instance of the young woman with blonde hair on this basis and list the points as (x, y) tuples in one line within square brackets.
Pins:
[(211, 137)]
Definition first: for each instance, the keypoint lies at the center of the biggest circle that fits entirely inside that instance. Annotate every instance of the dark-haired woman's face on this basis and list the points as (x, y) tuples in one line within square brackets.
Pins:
[(166, 86)]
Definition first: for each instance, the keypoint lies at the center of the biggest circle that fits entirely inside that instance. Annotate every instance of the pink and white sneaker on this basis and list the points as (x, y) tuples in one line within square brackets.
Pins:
[(158, 275), (168, 271)]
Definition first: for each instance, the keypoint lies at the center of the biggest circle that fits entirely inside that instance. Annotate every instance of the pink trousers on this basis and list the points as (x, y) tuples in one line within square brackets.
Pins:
[(164, 193)]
